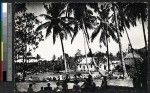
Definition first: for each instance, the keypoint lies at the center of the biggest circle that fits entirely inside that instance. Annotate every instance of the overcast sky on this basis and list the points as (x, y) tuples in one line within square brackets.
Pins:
[(46, 48)]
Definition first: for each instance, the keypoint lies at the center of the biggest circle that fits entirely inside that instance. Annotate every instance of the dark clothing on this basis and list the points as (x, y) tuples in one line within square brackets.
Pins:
[(49, 89), (41, 91), (65, 86), (89, 86), (104, 83), (30, 90), (76, 89), (58, 89)]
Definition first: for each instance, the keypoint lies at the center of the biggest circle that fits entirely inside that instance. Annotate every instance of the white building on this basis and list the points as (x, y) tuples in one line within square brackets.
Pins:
[(104, 65), (86, 64), (90, 65)]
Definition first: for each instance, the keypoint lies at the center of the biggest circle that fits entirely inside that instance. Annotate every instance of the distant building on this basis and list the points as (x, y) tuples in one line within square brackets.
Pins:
[(103, 65), (28, 60), (86, 64)]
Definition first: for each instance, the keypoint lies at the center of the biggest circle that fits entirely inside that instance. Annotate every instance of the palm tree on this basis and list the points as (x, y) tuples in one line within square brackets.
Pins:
[(127, 14), (119, 29), (57, 24), (84, 19), (138, 11), (124, 21), (107, 29)]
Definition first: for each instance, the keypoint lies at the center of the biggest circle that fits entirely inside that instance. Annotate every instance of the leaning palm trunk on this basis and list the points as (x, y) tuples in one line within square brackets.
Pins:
[(96, 66), (62, 45), (85, 51), (135, 64), (145, 59), (144, 33), (120, 46)]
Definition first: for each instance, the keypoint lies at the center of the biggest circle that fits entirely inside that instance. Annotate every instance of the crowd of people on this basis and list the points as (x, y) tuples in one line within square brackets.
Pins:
[(62, 87)]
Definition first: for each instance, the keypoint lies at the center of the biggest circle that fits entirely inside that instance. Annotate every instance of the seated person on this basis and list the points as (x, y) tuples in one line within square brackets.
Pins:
[(48, 88), (30, 90), (104, 82), (89, 85), (59, 88), (76, 88), (65, 86)]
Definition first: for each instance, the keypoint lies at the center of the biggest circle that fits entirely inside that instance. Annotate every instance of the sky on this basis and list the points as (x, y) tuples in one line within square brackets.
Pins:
[(47, 49)]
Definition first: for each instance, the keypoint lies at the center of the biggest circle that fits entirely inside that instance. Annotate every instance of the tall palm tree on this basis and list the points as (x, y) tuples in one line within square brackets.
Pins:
[(125, 22), (139, 11), (127, 14), (84, 19), (57, 24), (119, 29), (106, 28)]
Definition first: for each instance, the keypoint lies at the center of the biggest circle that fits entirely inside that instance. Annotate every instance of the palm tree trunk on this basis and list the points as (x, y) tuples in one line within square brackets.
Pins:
[(146, 58), (85, 51), (108, 54), (62, 45), (120, 46), (107, 46), (144, 33), (24, 67), (96, 66), (24, 62), (131, 49)]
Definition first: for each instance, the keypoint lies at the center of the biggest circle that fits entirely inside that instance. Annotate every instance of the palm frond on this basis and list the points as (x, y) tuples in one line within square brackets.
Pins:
[(112, 34), (42, 26), (74, 33), (127, 23), (103, 37), (47, 17), (94, 6), (89, 25), (48, 31), (95, 33), (56, 32), (47, 8)]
